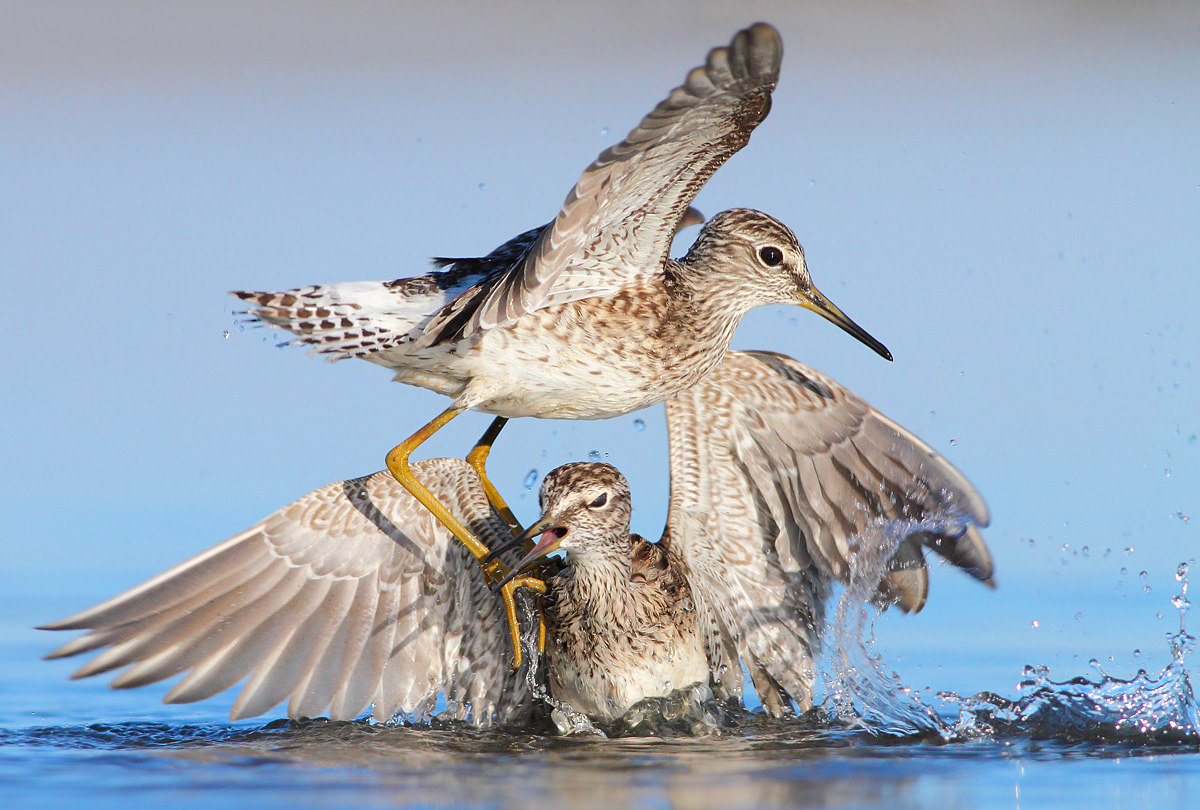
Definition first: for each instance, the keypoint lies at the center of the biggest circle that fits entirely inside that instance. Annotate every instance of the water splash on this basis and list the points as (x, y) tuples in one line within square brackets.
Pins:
[(861, 695), (568, 721), (692, 711), (1145, 709)]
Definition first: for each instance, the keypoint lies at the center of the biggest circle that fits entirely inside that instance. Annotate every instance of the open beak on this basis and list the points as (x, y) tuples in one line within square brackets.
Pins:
[(551, 533), (814, 299)]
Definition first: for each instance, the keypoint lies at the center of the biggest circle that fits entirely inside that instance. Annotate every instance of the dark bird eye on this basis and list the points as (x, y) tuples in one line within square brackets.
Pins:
[(771, 256), (600, 501)]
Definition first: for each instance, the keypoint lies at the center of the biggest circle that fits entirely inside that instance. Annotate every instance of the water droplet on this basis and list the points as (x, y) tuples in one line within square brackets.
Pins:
[(1129, 550), (1085, 551), (954, 442), (638, 424), (1181, 572), (530, 478), (1137, 653), (1034, 622), (1142, 575), (1078, 615), (483, 186), (1145, 589), (1182, 517), (1124, 572), (1192, 439), (604, 132), (1093, 663), (1167, 472), (225, 334), (812, 182), (594, 455), (933, 413)]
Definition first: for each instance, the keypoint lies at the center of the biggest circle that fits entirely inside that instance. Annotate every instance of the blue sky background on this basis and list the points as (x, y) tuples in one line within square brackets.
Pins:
[(1007, 195)]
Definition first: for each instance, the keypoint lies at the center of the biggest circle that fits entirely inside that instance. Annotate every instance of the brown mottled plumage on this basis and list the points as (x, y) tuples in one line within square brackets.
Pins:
[(621, 625)]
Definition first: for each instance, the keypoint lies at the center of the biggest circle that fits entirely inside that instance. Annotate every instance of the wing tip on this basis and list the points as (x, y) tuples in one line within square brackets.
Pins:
[(61, 624), (83, 620), (761, 36), (760, 47), (973, 556)]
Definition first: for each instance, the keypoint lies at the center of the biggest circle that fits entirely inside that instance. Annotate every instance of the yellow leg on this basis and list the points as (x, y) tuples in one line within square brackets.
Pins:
[(477, 458), (493, 569), (397, 463)]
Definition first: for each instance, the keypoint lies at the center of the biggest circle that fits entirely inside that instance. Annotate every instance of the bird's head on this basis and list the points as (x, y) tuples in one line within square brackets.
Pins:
[(757, 260), (586, 508)]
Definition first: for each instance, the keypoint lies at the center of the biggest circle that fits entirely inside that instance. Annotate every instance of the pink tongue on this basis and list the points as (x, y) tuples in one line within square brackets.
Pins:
[(548, 536)]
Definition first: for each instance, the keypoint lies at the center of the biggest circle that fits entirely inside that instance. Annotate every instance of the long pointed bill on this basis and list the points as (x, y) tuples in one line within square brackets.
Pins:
[(814, 299), (547, 544)]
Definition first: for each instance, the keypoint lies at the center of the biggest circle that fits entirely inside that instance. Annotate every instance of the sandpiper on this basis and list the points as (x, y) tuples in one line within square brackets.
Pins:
[(621, 624), (586, 317), (355, 596)]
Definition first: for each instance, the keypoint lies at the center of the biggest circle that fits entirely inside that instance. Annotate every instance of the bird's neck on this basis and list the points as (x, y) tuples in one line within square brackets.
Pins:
[(705, 309), (602, 572)]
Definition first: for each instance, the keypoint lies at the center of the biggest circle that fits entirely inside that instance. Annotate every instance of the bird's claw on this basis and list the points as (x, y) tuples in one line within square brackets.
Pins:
[(507, 592)]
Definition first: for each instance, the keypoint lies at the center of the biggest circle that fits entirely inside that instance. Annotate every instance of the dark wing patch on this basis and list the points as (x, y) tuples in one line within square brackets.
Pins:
[(494, 266)]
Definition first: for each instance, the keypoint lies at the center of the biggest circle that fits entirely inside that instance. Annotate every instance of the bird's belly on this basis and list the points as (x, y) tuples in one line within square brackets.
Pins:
[(575, 361), (568, 382), (605, 690), (549, 387)]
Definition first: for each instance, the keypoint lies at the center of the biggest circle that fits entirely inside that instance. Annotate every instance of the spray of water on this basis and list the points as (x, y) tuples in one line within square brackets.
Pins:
[(568, 721), (862, 695)]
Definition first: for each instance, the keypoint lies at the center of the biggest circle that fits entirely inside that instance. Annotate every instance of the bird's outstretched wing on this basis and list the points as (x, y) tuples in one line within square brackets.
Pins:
[(778, 476), (352, 596), (619, 219)]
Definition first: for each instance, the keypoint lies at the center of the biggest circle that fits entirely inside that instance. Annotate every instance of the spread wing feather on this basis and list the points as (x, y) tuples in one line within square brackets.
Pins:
[(619, 218), (778, 475), (352, 596)]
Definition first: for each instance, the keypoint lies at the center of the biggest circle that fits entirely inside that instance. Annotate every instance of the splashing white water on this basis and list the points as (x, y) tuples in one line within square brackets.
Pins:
[(860, 694), (1148, 708), (568, 721)]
